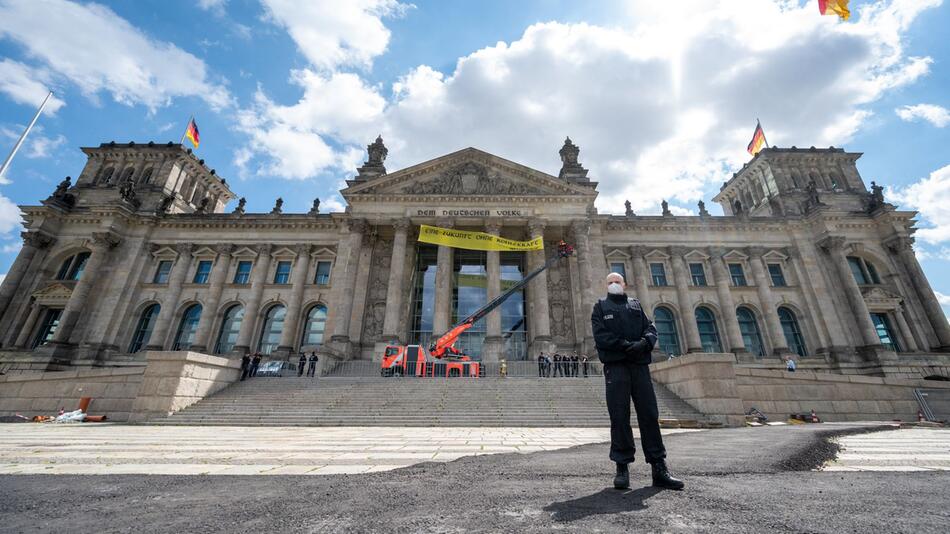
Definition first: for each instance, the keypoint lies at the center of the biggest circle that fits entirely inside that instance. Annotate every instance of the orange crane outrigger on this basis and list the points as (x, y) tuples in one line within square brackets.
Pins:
[(412, 360)]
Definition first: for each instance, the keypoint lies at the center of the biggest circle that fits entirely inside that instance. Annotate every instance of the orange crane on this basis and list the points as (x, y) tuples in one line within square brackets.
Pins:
[(442, 358)]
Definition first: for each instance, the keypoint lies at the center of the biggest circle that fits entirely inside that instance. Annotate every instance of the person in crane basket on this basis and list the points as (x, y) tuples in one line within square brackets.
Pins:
[(625, 337)]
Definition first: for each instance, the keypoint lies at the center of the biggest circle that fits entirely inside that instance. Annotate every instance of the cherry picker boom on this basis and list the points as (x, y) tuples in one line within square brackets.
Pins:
[(442, 358)]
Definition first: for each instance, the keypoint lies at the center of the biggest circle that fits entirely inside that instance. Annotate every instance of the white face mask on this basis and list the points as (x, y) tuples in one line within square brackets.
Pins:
[(614, 288)]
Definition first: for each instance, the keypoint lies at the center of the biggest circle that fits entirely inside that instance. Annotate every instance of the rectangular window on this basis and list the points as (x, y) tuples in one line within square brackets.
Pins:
[(778, 277), (322, 277), (884, 331), (857, 271), (203, 272), (282, 274), (698, 274), (242, 274), (620, 269), (658, 273), (738, 275), (161, 273), (48, 327)]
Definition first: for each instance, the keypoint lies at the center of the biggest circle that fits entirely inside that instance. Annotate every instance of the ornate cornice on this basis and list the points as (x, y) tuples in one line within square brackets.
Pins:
[(832, 243), (36, 239), (104, 240)]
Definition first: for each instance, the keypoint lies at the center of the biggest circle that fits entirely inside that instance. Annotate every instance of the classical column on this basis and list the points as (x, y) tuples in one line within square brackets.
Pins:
[(341, 326), (681, 279), (204, 337), (395, 289), (910, 344), (834, 245), (23, 338), (726, 302), (101, 244), (902, 246), (176, 278), (539, 318), (251, 311), (764, 287), (442, 307), (640, 276), (585, 285), (824, 312), (493, 347), (299, 282), (32, 242)]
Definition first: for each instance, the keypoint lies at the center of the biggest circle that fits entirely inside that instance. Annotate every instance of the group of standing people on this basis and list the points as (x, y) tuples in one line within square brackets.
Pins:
[(249, 364), (566, 365), (311, 368)]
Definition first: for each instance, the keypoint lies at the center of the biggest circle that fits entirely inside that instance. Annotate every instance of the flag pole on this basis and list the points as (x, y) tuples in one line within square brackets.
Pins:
[(183, 134), (759, 124), (6, 164)]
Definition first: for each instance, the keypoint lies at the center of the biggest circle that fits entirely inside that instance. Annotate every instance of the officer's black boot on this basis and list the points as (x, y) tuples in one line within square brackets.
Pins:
[(663, 479), (622, 479)]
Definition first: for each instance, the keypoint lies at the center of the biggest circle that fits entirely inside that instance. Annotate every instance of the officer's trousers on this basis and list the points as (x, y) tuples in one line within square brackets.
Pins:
[(626, 381)]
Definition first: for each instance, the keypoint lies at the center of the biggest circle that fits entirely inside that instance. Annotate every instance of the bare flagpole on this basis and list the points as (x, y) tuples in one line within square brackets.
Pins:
[(6, 164)]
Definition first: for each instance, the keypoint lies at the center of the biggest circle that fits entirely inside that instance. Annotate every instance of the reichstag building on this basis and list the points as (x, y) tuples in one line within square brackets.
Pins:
[(149, 249)]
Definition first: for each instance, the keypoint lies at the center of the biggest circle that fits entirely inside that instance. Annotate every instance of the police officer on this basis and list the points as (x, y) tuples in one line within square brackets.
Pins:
[(624, 338)]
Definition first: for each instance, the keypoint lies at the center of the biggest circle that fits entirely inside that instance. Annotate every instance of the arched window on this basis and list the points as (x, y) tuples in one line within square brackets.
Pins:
[(105, 175), (315, 326), (668, 339), (127, 175), (708, 333), (72, 267), (273, 327), (230, 327), (793, 333), (863, 271), (187, 328), (143, 330), (751, 337), (146, 176)]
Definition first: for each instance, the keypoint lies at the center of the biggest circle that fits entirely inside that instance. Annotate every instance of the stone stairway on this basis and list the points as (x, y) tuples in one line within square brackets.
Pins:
[(495, 402)]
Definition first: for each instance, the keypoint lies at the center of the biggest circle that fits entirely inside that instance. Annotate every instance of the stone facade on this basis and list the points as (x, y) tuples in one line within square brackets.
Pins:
[(141, 253)]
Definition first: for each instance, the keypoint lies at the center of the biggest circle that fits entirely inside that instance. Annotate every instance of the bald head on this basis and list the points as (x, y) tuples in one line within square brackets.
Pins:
[(615, 277)]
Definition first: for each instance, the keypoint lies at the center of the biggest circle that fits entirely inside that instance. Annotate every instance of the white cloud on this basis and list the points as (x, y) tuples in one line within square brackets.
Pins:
[(662, 104), (95, 49), (936, 115), (10, 217), (27, 85), (931, 197), (331, 33), (943, 299), (332, 204), (295, 141), (214, 6)]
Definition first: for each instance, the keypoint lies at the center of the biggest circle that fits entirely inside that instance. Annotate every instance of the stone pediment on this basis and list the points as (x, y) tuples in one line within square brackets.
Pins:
[(879, 298), (469, 173), (52, 294)]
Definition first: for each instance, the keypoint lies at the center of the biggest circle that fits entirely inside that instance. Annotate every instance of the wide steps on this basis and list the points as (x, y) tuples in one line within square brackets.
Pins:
[(374, 401)]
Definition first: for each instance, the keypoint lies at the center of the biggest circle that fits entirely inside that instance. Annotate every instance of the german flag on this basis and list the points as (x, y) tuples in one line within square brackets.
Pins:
[(834, 7), (192, 133), (758, 140)]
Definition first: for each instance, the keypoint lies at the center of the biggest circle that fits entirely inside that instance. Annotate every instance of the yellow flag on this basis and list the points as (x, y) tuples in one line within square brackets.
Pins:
[(475, 240)]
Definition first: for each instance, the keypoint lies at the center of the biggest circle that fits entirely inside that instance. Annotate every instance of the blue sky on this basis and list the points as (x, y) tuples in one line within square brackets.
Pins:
[(287, 94)]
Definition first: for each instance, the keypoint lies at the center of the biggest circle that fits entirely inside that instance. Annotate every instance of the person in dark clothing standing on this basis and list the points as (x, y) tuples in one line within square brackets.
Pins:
[(557, 365), (541, 364), (245, 365), (586, 364), (625, 337), (301, 363), (575, 363), (255, 363), (312, 368)]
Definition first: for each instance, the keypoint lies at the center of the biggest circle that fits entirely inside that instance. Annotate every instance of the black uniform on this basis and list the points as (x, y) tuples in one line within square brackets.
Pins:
[(619, 324), (312, 368), (245, 366), (301, 364)]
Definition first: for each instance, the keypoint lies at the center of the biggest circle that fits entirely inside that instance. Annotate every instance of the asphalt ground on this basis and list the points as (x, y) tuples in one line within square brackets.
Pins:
[(738, 480)]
